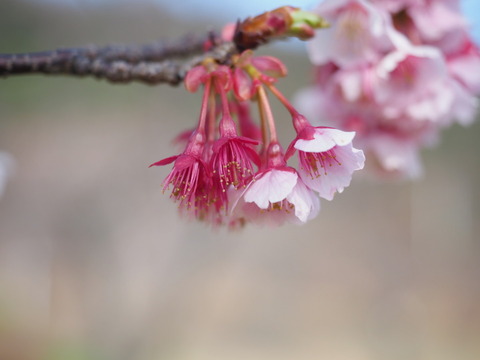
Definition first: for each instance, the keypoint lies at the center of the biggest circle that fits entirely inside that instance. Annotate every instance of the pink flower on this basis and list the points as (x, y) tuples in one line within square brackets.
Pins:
[(233, 156), (435, 19), (327, 158), (394, 71), (413, 85), (189, 177), (232, 161), (278, 195), (416, 86), (392, 145), (440, 24), (358, 33), (425, 21), (464, 64), (393, 6)]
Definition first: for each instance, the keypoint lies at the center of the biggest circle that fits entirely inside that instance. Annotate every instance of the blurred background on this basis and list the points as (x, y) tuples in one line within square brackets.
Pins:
[(95, 263)]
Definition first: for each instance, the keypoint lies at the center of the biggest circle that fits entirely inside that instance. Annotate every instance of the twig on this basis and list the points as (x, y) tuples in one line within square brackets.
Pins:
[(161, 62), (118, 71), (118, 63)]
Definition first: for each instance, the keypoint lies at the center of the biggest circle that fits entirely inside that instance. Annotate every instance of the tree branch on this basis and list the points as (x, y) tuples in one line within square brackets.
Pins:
[(152, 63), (117, 71), (162, 62)]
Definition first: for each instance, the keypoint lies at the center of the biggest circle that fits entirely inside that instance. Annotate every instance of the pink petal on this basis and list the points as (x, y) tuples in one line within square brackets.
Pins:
[(194, 78), (270, 65), (166, 161), (184, 161), (242, 85), (357, 36), (435, 19), (467, 70)]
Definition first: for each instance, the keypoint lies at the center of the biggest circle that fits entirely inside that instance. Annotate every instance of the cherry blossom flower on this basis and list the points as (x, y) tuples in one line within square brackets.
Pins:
[(415, 84), (233, 156), (278, 195), (215, 179), (435, 19), (327, 157), (232, 161), (464, 64), (189, 177), (394, 6), (358, 33), (424, 79), (440, 24)]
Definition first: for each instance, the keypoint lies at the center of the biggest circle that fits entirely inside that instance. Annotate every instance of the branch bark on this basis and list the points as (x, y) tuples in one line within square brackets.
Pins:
[(159, 62), (114, 64), (163, 62)]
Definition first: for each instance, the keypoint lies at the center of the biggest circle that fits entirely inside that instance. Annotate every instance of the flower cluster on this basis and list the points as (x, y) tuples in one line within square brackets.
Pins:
[(234, 171), (396, 72)]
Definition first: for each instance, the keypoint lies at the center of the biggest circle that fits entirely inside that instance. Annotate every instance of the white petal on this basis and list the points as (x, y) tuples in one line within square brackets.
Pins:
[(325, 139), (341, 138), (306, 202), (273, 186), (337, 176), (317, 144)]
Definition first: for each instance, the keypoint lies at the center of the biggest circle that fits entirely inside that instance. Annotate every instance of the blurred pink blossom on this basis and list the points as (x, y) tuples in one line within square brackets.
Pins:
[(396, 73), (358, 33)]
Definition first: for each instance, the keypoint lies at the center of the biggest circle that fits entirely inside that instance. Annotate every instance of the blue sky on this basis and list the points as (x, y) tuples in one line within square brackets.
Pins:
[(232, 10)]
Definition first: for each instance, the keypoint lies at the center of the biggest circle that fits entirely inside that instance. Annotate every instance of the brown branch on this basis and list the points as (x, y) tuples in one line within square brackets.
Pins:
[(101, 61), (158, 51), (121, 71), (114, 64), (163, 62)]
